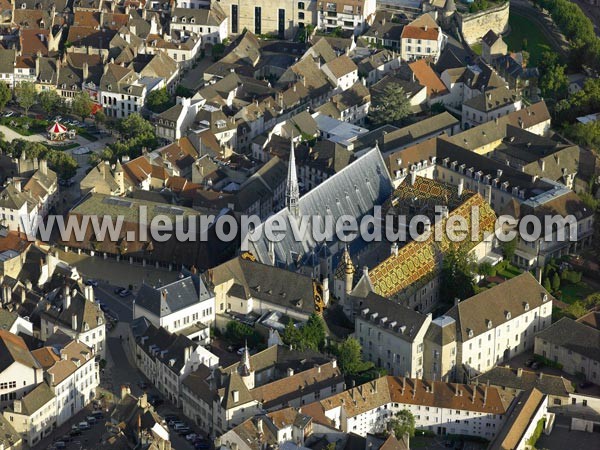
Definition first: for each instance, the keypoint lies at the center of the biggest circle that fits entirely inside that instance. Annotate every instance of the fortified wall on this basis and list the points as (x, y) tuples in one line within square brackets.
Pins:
[(474, 26)]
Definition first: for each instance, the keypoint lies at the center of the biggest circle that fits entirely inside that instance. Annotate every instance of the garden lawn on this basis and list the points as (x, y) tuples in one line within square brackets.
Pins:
[(523, 28), (573, 292)]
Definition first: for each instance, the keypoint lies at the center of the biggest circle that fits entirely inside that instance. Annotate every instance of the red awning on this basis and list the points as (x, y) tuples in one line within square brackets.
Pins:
[(57, 128)]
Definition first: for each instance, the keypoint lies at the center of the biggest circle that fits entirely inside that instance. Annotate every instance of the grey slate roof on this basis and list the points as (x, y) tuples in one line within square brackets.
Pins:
[(172, 297), (408, 321), (170, 347), (524, 380), (355, 190), (37, 398), (574, 336)]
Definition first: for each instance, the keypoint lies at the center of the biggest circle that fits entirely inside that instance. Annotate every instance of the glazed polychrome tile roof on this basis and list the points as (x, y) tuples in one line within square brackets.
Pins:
[(418, 262)]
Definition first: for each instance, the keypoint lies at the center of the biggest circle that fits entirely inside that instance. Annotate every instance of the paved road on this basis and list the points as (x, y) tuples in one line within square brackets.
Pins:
[(10, 135), (122, 308)]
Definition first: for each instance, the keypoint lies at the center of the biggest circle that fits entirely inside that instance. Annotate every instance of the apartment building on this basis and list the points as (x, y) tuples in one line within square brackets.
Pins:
[(269, 380), (211, 24), (348, 15), (184, 306), (19, 370), (166, 359), (391, 335), (71, 372), (422, 38), (489, 328), (78, 316), (438, 407), (573, 345), (490, 105)]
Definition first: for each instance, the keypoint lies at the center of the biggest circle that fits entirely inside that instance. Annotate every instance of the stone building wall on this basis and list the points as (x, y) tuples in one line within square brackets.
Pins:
[(475, 26)]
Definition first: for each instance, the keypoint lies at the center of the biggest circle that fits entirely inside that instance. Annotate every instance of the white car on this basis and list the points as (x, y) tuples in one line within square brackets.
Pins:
[(191, 437)]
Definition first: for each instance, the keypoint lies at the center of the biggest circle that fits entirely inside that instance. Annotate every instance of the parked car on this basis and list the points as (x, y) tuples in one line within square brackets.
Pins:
[(98, 415), (91, 420), (529, 362), (201, 445), (84, 426), (8, 114), (118, 289), (91, 282), (171, 418), (66, 438), (155, 400), (585, 384), (75, 431), (536, 365), (183, 431), (125, 293), (60, 444)]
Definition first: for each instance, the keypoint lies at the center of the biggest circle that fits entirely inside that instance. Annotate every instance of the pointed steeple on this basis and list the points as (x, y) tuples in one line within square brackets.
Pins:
[(244, 367), (292, 192)]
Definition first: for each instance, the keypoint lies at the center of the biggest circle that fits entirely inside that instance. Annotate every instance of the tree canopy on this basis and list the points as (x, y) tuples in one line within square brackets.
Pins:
[(5, 95), (311, 336), (59, 161), (401, 424), (81, 105), (457, 275), (158, 100), (389, 106), (350, 358), (50, 101), (25, 95), (136, 133)]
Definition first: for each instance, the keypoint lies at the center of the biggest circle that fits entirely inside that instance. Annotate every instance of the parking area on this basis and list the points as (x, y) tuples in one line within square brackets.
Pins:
[(439, 442)]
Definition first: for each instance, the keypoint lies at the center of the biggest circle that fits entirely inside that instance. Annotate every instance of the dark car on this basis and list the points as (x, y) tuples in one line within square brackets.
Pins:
[(529, 362), (585, 384), (171, 418), (200, 445), (75, 433), (536, 365), (118, 290), (93, 283), (184, 431), (125, 293), (98, 415), (155, 400)]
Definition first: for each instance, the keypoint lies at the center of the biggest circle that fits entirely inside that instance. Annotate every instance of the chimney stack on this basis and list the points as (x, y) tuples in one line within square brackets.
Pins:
[(461, 185), (74, 322)]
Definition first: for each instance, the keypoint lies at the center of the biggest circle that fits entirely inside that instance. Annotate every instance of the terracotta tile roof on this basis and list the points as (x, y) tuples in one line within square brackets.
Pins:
[(386, 390), (15, 241), (34, 41), (513, 431), (14, 349), (428, 78), (280, 392), (83, 18), (423, 27), (46, 356)]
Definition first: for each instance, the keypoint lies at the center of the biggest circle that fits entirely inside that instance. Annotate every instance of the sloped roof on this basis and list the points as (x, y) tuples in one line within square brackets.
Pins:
[(354, 190), (172, 297), (497, 305), (574, 336), (13, 349)]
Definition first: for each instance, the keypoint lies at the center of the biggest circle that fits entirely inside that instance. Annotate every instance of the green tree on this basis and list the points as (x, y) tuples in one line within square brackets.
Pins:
[(25, 95), (100, 117), (49, 101), (456, 275), (5, 95), (554, 82), (389, 106), (508, 249), (158, 100), (134, 125), (217, 51), (555, 282), (239, 333), (350, 359), (546, 284), (291, 335), (401, 424), (314, 332), (81, 105), (576, 310)]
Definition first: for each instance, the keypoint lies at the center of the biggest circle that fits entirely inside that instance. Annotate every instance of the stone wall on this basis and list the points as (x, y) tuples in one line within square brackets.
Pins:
[(474, 26)]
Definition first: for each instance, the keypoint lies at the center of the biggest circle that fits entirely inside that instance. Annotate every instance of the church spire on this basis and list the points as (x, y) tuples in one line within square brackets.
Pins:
[(244, 366), (292, 192)]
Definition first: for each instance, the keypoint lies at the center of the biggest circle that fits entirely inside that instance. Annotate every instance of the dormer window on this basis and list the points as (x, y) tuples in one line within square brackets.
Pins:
[(183, 20), (545, 298), (489, 324), (526, 306), (109, 87), (192, 20), (507, 315), (469, 332), (23, 5)]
